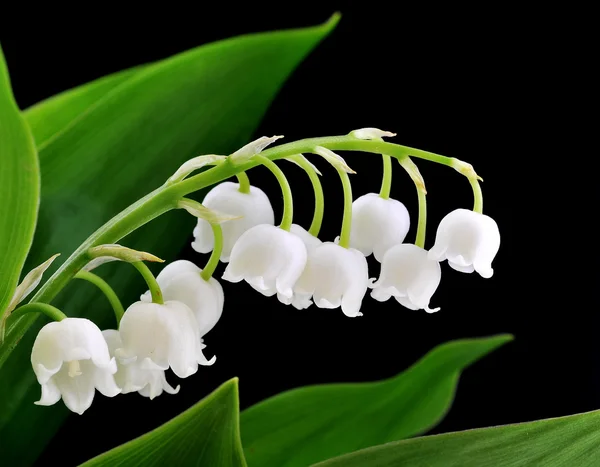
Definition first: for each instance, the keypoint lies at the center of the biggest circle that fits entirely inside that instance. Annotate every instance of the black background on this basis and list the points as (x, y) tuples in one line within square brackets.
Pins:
[(449, 85)]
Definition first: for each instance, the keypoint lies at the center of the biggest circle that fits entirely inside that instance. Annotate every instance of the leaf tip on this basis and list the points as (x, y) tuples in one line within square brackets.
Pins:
[(233, 383), (229, 389), (333, 21), (505, 338), (497, 341)]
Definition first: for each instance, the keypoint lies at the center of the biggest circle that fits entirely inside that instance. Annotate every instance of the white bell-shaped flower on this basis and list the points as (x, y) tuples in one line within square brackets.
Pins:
[(300, 300), (270, 259), (132, 377), (378, 224), (70, 359), (161, 336), (310, 241), (181, 281), (254, 209), (335, 276), (409, 276), (468, 240)]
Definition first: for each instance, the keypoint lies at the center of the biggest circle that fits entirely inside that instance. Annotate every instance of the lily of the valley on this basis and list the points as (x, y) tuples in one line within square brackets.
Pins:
[(131, 377), (181, 281), (408, 275), (71, 360), (161, 336), (302, 300), (334, 277), (270, 259), (378, 224), (254, 208), (468, 240)]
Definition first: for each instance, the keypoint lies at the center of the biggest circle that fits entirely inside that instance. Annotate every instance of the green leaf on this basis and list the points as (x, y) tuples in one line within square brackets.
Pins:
[(556, 442), (311, 424), (206, 434), (53, 115), (19, 189), (207, 100)]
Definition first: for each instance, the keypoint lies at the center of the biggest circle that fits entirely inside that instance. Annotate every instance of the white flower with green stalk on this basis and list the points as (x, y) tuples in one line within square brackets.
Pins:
[(70, 359), (378, 221), (185, 282), (469, 240), (269, 258), (336, 275), (286, 260), (407, 274)]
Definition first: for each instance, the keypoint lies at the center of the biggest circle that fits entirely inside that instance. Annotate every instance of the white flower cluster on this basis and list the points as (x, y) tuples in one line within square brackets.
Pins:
[(73, 357), (301, 269)]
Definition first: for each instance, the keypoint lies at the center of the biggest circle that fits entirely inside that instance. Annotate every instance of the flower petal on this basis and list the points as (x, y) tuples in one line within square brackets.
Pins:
[(358, 281), (184, 347), (380, 294), (302, 301), (104, 381), (77, 392), (310, 241), (50, 394), (461, 267), (157, 384)]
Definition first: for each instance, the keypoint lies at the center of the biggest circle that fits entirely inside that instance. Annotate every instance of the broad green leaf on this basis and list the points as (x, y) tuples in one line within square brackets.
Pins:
[(19, 189), (53, 115), (207, 434), (311, 424), (205, 101), (572, 441)]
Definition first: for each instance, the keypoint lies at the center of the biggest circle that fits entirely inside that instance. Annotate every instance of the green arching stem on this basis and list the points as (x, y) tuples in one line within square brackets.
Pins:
[(166, 197), (422, 222), (347, 219), (413, 172), (386, 181), (107, 290), (50, 311), (288, 203), (155, 291), (213, 261), (244, 182), (317, 221), (477, 195)]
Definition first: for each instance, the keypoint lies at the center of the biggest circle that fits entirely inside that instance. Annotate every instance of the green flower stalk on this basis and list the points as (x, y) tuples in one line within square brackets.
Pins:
[(378, 221), (286, 190), (106, 289), (244, 183), (313, 175)]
